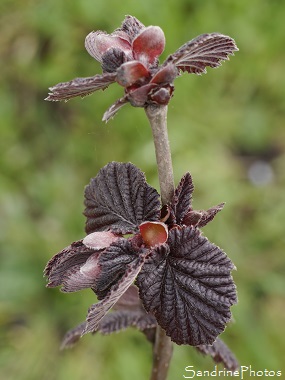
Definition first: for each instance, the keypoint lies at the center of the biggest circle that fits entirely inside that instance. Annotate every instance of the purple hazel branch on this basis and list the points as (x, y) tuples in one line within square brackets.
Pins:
[(166, 246)]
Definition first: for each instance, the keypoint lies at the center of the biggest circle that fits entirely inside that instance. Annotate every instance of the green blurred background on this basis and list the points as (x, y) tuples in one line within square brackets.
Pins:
[(226, 128)]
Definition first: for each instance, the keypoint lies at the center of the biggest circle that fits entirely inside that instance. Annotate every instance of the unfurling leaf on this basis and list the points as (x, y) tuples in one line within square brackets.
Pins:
[(205, 50), (188, 287), (209, 214), (66, 262), (114, 108), (182, 198), (97, 311), (119, 199)]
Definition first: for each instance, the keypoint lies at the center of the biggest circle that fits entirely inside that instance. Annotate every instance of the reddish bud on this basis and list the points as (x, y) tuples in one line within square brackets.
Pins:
[(130, 72), (99, 240), (149, 44)]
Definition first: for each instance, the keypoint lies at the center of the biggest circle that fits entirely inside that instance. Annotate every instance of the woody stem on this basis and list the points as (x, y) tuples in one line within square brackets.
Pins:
[(157, 116)]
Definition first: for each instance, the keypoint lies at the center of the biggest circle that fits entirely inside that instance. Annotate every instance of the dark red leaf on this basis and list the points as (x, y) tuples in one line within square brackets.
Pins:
[(220, 354), (188, 287), (204, 50), (119, 199), (80, 87), (97, 311)]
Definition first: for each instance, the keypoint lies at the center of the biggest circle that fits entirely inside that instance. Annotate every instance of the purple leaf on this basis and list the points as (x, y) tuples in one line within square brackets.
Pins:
[(220, 354), (182, 198), (113, 263), (65, 262), (97, 311), (188, 287), (119, 199), (111, 112), (204, 50), (209, 215), (80, 87)]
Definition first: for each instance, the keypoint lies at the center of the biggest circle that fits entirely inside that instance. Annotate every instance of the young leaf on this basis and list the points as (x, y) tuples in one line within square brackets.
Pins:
[(119, 199), (188, 287), (204, 50), (80, 87), (182, 198), (97, 311), (111, 111), (209, 215), (220, 354), (114, 322), (132, 26)]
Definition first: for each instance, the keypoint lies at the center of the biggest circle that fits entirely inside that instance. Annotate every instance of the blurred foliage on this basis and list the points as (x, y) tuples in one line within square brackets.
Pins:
[(220, 125)]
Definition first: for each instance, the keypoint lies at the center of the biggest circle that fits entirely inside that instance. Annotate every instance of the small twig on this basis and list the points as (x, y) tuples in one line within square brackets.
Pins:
[(157, 116)]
